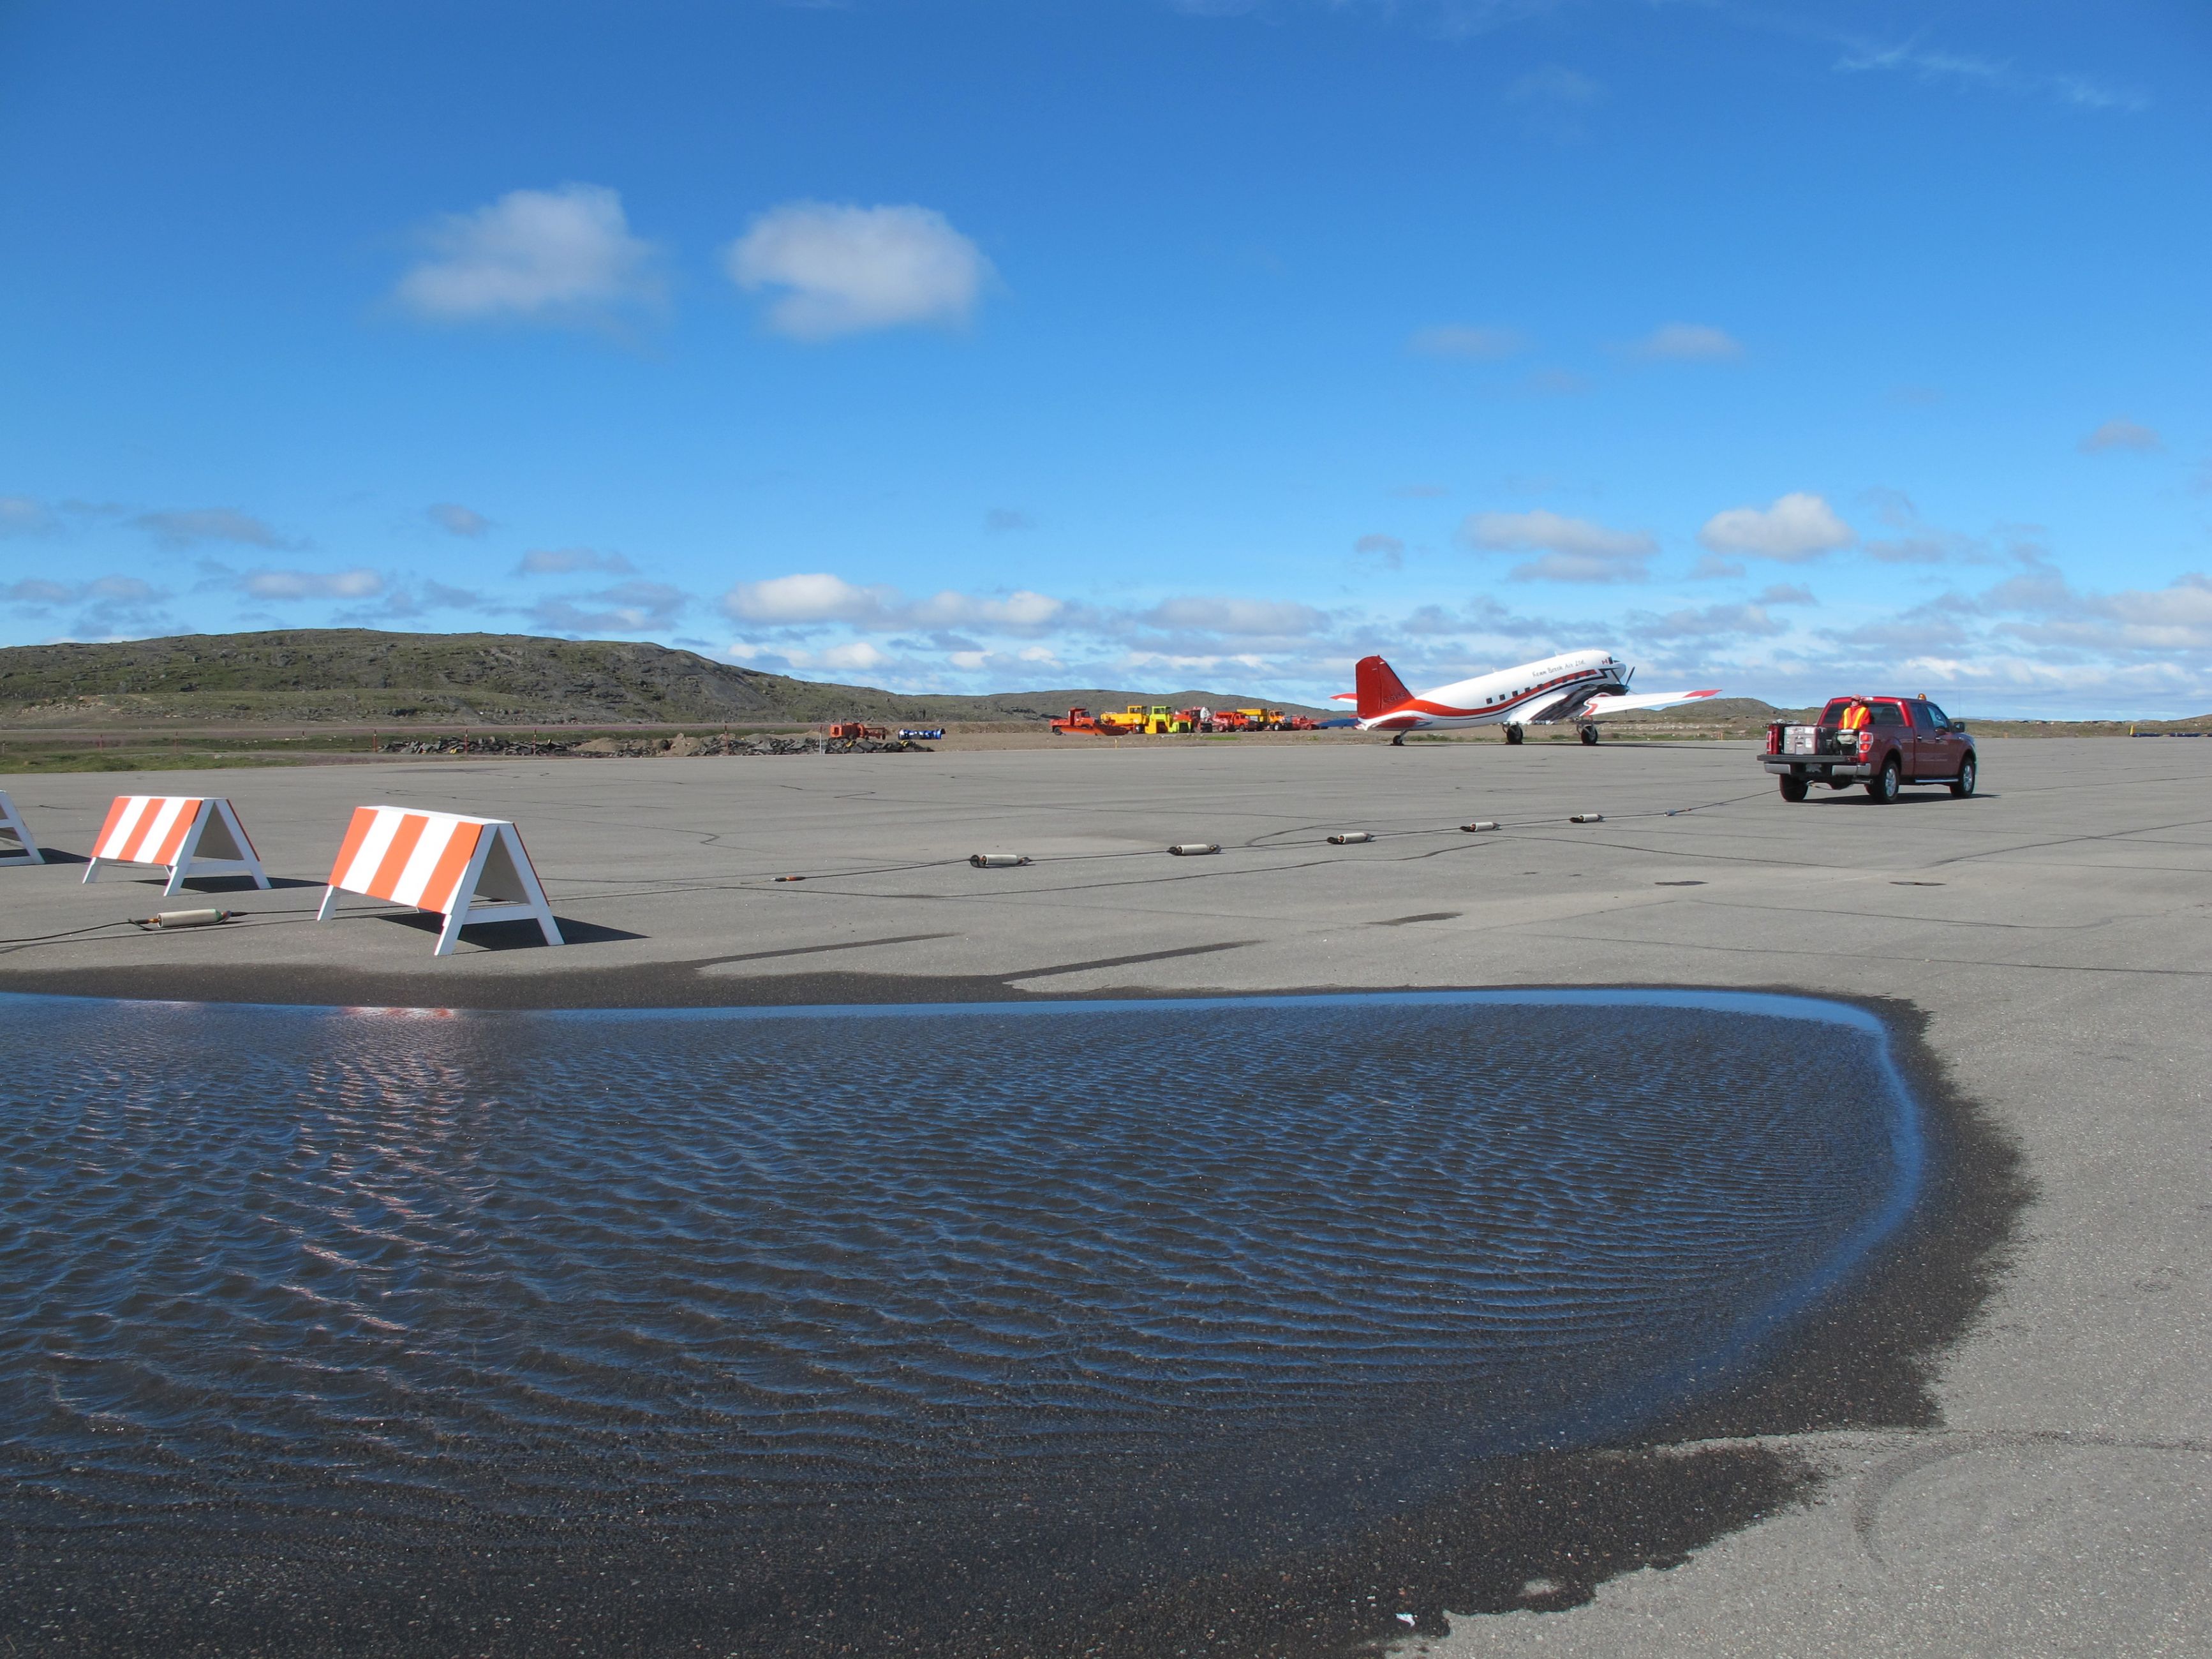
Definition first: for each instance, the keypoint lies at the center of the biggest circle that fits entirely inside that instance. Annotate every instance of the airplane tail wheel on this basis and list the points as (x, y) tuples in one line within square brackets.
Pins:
[(1589, 735), (1514, 734)]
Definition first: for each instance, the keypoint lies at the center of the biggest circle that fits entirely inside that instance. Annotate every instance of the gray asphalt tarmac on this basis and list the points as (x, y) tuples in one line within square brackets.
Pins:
[(2053, 930)]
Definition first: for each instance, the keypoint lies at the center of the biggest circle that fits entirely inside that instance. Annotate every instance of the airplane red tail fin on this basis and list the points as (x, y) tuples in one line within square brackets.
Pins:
[(1380, 690)]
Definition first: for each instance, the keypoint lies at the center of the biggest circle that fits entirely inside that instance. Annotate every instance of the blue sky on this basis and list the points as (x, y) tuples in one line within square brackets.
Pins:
[(988, 346)]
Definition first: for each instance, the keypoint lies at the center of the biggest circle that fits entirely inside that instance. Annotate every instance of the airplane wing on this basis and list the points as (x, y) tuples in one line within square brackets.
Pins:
[(1344, 697), (1544, 709), (1599, 707)]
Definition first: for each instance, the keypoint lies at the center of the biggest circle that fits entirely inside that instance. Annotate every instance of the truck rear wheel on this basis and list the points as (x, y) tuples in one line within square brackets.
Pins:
[(1793, 788), (1883, 785)]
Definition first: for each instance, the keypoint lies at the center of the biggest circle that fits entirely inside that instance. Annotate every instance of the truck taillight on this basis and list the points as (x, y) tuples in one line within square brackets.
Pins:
[(1866, 741), (1774, 738)]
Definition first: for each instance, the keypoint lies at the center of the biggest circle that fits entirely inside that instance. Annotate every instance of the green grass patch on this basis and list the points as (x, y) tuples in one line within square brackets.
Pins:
[(26, 757)]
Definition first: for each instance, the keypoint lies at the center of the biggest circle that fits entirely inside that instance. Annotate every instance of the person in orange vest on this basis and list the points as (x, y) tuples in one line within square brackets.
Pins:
[(1855, 717)]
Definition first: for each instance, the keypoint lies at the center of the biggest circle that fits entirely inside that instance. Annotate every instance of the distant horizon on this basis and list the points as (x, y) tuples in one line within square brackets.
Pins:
[(952, 346), (1958, 709)]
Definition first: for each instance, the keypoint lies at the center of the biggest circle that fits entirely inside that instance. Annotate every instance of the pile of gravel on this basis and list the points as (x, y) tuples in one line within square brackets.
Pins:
[(684, 745)]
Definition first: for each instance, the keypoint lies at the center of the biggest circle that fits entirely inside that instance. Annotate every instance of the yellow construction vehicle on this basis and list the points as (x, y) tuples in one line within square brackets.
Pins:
[(1154, 719)]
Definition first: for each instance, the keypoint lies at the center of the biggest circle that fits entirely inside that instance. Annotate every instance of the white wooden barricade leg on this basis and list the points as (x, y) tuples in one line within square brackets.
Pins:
[(12, 828), (499, 885), (191, 836)]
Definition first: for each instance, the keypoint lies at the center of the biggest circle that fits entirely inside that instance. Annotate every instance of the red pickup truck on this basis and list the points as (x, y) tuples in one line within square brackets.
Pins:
[(1881, 742)]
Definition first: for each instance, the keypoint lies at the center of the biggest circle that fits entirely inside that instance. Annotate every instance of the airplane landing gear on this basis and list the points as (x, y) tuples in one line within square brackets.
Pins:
[(1398, 741), (1514, 734), (1589, 733)]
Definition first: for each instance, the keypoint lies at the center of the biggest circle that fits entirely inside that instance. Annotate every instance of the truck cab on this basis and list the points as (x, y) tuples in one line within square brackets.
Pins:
[(1883, 743)]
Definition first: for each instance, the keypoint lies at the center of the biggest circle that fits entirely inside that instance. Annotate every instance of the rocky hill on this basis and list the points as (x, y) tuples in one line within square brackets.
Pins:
[(356, 675)]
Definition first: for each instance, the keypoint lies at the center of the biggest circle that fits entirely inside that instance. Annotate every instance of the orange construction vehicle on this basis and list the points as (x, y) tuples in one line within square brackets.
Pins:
[(1128, 721), (1078, 720)]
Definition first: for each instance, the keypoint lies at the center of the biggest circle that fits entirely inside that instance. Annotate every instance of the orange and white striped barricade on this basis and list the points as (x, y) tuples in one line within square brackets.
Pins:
[(12, 828), (193, 835), (467, 870)]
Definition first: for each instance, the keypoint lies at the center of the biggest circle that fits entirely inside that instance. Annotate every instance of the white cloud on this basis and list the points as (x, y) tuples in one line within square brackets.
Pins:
[(1917, 547), (1713, 568), (461, 520), (357, 584), (438, 596), (114, 590), (1964, 69), (857, 653), (1688, 343), (1482, 344), (1388, 549), (561, 256), (626, 608), (1798, 525), (847, 270), (1275, 618), (1714, 621), (1573, 549), (2121, 435), (22, 516), (813, 599), (107, 607), (1020, 612), (562, 561), (818, 599), (210, 524)]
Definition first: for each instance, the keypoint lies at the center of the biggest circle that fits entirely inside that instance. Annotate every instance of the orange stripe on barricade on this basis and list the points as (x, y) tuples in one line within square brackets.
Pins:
[(187, 816), (364, 820), (460, 848), (115, 812), (386, 882)]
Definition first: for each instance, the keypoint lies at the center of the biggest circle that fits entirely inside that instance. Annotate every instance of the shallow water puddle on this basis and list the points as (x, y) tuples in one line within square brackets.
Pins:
[(793, 1275)]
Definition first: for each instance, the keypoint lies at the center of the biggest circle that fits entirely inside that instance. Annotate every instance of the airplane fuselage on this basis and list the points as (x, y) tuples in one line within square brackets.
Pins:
[(1553, 689)]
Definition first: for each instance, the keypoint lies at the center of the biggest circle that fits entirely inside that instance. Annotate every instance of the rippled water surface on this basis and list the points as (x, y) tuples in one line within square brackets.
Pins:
[(297, 1269)]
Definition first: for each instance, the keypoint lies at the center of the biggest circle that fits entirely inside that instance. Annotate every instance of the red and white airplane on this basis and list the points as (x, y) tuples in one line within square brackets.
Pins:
[(1582, 686)]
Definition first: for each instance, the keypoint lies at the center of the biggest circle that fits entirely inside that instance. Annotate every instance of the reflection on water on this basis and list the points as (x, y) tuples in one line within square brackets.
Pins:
[(294, 1269)]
